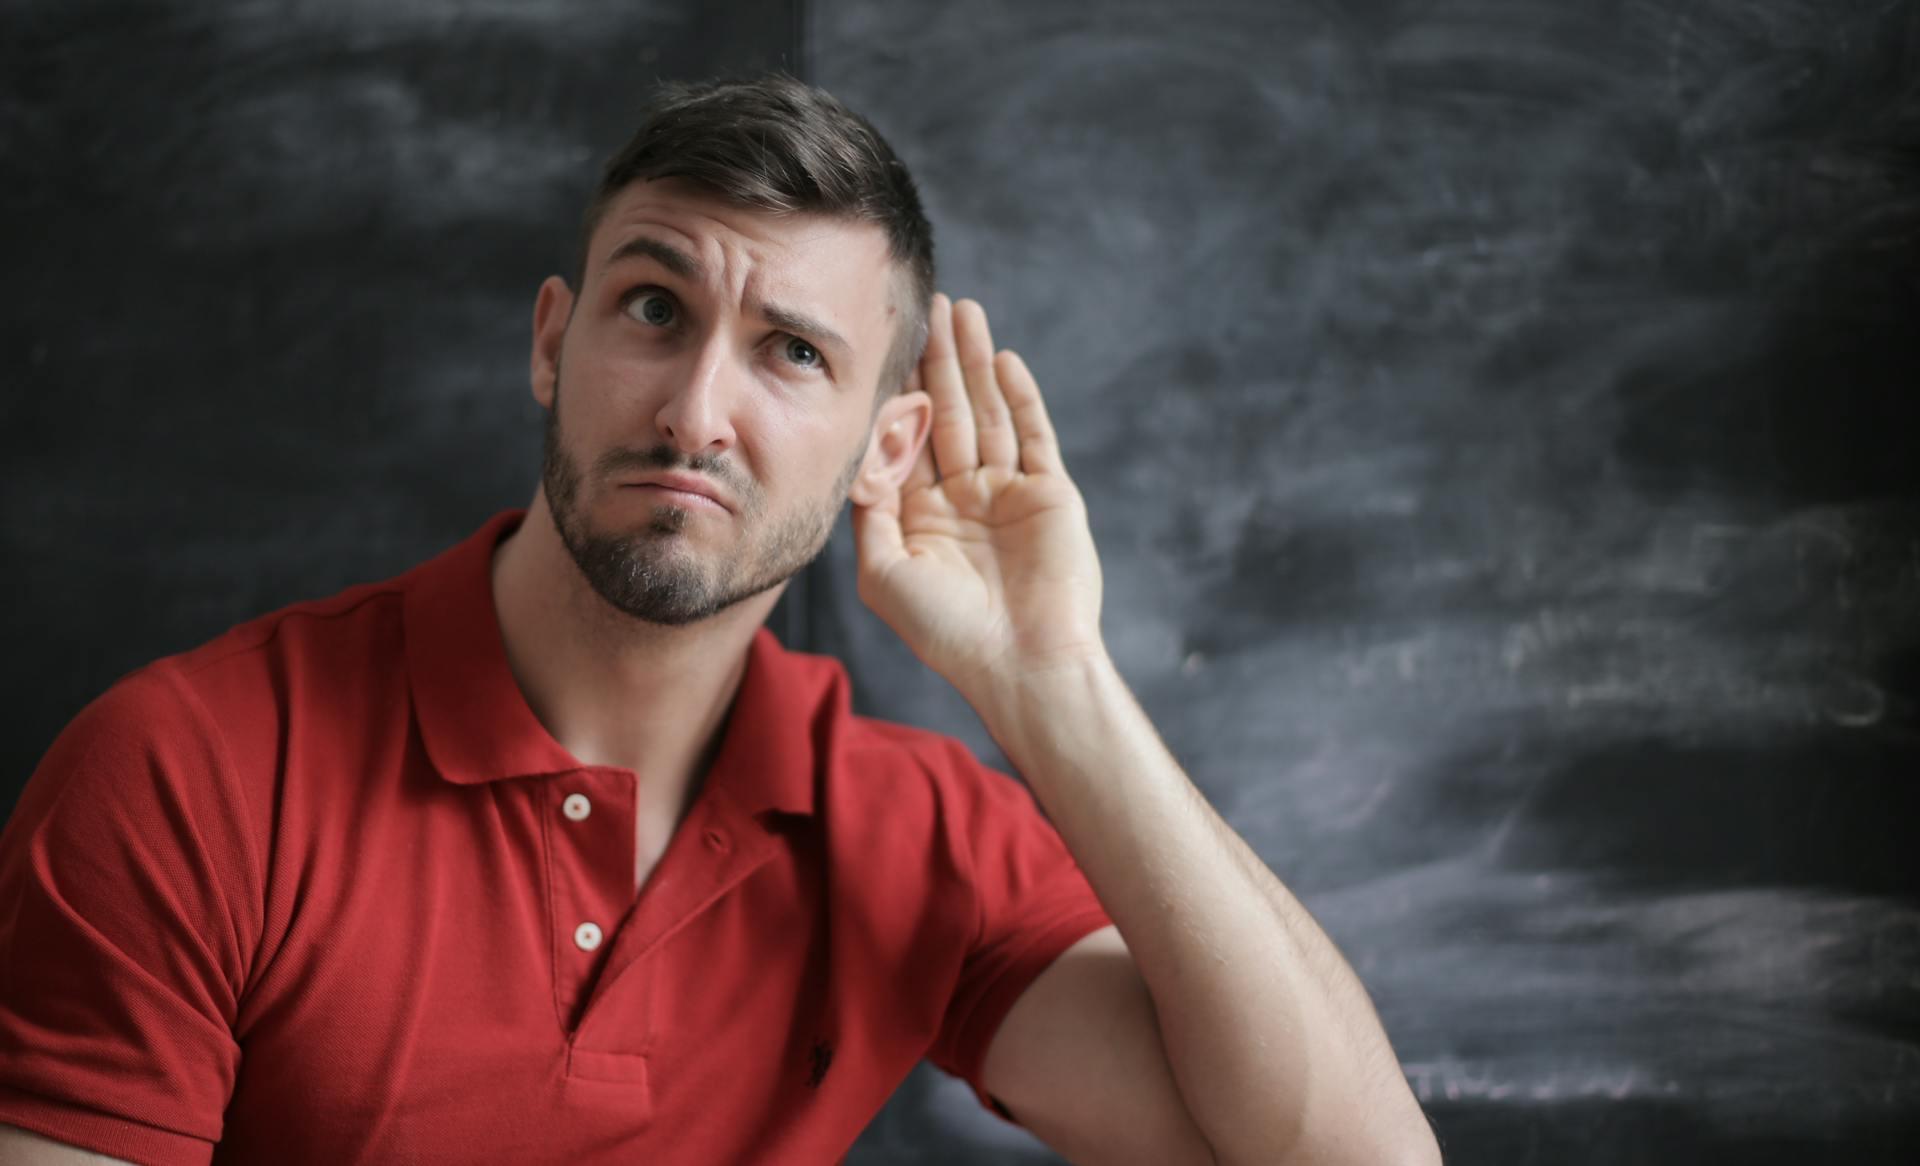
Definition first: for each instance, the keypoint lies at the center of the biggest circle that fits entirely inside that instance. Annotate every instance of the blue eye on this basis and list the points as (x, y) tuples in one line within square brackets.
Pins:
[(809, 356), (654, 308)]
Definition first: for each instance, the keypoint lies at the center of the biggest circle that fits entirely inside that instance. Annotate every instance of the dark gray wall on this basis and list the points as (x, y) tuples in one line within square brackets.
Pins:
[(1497, 419), (271, 270), (1499, 425)]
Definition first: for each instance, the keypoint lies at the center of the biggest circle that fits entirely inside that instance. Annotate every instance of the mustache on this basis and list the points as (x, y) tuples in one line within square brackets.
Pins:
[(664, 457)]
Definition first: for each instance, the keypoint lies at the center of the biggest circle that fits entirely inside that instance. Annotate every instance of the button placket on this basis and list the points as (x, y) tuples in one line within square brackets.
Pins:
[(734, 846), (590, 851)]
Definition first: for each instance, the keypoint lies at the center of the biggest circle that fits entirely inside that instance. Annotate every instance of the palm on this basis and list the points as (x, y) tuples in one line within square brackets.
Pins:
[(985, 565), (983, 559)]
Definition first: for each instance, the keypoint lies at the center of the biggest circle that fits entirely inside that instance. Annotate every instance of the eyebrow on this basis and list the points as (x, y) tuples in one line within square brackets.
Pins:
[(690, 269)]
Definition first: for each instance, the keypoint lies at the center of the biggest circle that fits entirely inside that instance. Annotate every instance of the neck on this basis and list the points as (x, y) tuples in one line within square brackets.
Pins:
[(611, 689)]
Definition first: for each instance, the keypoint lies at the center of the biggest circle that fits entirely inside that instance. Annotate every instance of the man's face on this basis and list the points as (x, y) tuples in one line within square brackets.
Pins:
[(732, 348)]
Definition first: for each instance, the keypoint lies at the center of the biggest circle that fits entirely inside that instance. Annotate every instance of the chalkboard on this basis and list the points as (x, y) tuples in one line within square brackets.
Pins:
[(272, 274), (1499, 424), (1497, 421)]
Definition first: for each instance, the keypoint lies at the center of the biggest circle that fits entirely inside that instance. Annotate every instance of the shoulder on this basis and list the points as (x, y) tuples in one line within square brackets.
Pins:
[(322, 662), (138, 824), (191, 726), (876, 752), (313, 634), (145, 723), (906, 788), (912, 761), (860, 763), (929, 754)]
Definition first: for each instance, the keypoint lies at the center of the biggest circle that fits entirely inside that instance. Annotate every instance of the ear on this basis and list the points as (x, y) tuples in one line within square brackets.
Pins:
[(551, 309), (899, 431)]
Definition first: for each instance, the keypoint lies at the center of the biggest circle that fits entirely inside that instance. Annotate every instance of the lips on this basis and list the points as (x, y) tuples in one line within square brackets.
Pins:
[(686, 488)]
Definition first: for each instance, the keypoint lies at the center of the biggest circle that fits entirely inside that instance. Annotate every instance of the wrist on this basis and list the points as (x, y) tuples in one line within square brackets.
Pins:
[(1033, 708)]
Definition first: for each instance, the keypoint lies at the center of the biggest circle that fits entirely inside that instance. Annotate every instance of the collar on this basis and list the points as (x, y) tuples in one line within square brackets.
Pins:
[(477, 727)]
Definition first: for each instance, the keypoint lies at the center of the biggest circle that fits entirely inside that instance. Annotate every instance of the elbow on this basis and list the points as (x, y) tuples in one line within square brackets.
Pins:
[(1423, 1150), (1417, 1145), (1358, 1143), (1418, 1148)]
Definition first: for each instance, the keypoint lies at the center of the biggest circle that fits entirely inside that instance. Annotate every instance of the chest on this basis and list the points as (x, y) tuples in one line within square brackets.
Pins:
[(658, 812), (652, 833), (445, 986)]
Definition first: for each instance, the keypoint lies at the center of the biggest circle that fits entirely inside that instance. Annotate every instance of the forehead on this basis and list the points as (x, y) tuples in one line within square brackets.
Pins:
[(828, 262)]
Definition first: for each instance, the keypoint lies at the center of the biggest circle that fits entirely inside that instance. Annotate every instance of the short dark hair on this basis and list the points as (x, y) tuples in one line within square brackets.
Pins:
[(775, 143)]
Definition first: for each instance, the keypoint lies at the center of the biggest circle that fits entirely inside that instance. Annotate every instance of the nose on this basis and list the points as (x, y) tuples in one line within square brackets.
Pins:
[(697, 415)]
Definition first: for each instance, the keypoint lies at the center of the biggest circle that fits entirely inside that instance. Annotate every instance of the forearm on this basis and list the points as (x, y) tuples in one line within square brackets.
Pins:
[(1276, 1048)]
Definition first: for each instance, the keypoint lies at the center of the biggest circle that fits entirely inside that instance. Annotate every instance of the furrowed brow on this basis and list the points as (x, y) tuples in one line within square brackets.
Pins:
[(688, 268), (806, 327), (672, 258)]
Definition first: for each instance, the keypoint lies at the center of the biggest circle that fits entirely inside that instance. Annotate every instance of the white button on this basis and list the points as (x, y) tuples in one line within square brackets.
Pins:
[(576, 806), (586, 937)]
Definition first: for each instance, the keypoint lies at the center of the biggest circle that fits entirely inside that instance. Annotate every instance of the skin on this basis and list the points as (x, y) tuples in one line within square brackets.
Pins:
[(627, 613), (643, 571)]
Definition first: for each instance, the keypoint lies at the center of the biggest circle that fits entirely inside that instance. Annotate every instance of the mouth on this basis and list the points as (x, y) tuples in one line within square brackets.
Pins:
[(669, 492)]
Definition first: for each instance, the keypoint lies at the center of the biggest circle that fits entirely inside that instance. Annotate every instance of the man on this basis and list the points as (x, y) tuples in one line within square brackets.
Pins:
[(546, 851)]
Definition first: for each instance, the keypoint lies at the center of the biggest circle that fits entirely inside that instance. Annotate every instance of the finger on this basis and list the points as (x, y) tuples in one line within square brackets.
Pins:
[(954, 449), (877, 545), (1039, 448), (992, 424)]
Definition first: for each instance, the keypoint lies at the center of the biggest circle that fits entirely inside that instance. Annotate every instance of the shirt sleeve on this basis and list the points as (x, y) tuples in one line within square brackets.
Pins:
[(126, 920), (1033, 903)]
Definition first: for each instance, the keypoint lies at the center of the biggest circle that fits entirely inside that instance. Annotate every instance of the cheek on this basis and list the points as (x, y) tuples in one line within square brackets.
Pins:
[(600, 388), (797, 456)]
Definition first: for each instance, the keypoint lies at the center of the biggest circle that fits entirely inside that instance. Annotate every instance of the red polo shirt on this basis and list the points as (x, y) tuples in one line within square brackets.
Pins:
[(324, 890)]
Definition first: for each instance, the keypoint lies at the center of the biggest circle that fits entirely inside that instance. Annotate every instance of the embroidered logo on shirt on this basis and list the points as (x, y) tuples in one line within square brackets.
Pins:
[(822, 1058)]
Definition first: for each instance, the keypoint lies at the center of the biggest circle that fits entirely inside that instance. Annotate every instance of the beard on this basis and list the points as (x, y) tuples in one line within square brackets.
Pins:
[(654, 573)]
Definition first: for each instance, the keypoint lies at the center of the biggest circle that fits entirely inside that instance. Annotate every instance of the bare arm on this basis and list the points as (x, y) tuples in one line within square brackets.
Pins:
[(1273, 1043), (20, 1147), (980, 555)]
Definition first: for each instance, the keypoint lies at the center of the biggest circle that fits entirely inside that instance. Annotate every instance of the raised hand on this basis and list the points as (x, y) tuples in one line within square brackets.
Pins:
[(982, 561)]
